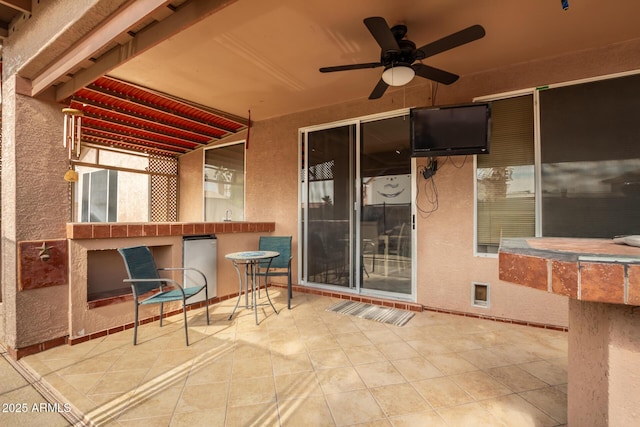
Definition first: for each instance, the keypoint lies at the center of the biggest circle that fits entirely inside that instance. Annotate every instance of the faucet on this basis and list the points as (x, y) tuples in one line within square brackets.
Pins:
[(227, 215)]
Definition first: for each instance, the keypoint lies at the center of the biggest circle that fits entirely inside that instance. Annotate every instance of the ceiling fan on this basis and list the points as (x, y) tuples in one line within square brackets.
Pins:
[(399, 54)]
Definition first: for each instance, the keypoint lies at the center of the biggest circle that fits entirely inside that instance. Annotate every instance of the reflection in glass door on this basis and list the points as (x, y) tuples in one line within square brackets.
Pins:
[(385, 206), (330, 201)]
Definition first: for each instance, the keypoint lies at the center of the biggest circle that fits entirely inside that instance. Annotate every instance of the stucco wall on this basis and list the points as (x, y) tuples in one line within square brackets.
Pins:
[(603, 347), (35, 206)]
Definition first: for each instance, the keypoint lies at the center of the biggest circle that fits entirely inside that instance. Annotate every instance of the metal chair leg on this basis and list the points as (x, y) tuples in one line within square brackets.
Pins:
[(186, 329), (135, 325)]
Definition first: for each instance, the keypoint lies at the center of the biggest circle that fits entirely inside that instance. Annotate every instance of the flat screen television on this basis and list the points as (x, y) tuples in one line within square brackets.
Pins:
[(450, 130)]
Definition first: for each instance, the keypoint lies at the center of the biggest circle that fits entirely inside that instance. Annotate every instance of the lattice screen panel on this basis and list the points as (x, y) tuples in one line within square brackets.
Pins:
[(164, 188)]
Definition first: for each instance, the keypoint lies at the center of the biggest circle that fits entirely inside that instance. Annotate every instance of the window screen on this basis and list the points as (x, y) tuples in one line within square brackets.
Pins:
[(590, 153)]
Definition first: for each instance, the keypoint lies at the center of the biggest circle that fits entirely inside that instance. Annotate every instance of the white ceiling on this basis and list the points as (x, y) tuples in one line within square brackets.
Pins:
[(264, 55)]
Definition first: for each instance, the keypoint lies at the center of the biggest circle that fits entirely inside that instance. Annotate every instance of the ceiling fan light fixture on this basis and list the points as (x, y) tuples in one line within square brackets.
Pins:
[(398, 75)]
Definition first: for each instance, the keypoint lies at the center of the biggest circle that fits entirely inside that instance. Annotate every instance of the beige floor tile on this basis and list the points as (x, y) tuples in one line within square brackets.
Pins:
[(255, 337), (442, 392), (252, 391), (342, 326), (151, 402), (562, 388), (381, 336), (331, 358), (430, 345), (364, 354), (471, 414), (412, 333), (550, 373), (550, 401), (379, 374), (514, 411), (353, 339), (169, 359), (245, 350), (397, 350), (120, 381), (297, 386), (251, 368), (284, 329), (354, 407), (416, 368), (206, 418), (308, 411), (287, 346), (339, 380), (321, 342), (376, 423), (99, 364), (480, 385), (258, 415), (311, 327), (515, 378), (70, 393), (459, 343), (211, 370), (419, 419), (134, 359), (110, 400), (484, 358), (515, 353), (399, 399), (203, 397), (291, 363), (451, 363), (84, 383)]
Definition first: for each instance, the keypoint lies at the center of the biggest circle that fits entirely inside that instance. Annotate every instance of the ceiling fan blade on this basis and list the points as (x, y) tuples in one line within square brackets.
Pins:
[(435, 74), (379, 90), (467, 35), (350, 67), (380, 31)]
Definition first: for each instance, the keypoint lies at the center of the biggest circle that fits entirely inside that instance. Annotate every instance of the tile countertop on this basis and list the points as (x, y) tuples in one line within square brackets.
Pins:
[(595, 270), (105, 230)]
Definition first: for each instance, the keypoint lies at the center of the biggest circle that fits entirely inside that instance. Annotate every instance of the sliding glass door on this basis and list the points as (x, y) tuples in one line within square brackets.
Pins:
[(330, 200), (356, 192), (385, 206)]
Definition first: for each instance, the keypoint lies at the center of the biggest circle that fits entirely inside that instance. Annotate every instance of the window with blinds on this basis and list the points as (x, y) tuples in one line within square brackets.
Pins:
[(505, 177)]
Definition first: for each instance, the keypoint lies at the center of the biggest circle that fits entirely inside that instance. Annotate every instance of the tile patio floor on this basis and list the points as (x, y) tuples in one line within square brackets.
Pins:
[(309, 367)]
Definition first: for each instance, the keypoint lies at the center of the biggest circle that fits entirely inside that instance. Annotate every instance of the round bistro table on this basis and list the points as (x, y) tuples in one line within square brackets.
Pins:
[(251, 260)]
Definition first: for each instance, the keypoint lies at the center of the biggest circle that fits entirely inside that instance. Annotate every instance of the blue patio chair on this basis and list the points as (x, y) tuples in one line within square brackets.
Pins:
[(144, 279), (281, 244)]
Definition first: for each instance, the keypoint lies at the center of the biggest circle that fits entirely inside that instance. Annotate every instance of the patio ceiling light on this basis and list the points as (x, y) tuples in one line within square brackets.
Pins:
[(398, 75)]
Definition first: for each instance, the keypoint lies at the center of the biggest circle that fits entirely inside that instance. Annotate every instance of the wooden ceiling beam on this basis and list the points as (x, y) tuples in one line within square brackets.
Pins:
[(23, 6), (115, 25), (185, 16)]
